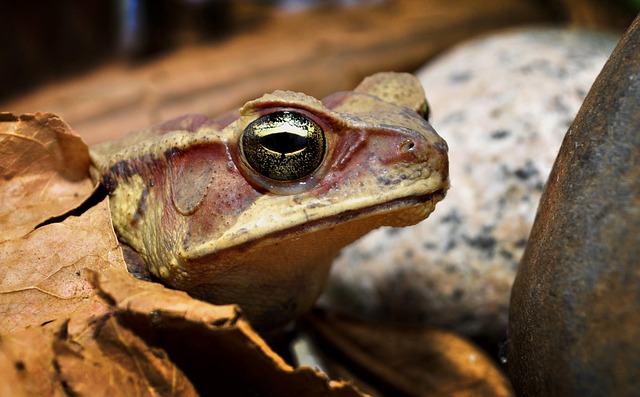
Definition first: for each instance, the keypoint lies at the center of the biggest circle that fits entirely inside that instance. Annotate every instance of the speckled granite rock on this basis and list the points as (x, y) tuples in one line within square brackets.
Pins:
[(503, 103)]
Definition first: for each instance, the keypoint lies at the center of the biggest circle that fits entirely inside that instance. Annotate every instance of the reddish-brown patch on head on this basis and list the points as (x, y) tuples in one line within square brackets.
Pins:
[(208, 189)]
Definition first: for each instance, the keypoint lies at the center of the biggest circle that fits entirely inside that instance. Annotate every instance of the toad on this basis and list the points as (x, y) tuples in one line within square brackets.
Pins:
[(252, 208)]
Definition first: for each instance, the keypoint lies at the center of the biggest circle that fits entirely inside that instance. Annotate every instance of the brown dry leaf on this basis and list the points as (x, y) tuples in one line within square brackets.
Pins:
[(59, 336), (401, 361), (112, 360), (10, 385), (41, 275), (44, 169), (105, 359), (214, 346), (26, 362)]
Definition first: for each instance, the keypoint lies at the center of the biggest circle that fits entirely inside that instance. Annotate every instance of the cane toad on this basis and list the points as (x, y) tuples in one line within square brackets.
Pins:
[(252, 209)]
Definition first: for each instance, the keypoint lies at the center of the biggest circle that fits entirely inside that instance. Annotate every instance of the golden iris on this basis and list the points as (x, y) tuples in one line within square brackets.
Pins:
[(283, 145)]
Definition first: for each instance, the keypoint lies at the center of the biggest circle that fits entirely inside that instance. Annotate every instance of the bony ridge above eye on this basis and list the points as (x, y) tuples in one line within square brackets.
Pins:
[(283, 146)]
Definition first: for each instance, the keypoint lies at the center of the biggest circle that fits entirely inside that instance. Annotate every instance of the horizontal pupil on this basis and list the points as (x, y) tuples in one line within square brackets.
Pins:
[(284, 142)]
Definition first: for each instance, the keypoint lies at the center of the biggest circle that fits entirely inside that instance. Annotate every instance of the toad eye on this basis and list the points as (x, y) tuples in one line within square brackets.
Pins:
[(283, 146)]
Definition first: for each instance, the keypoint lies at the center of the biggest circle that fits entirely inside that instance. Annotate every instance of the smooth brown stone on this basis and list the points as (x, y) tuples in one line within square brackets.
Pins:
[(575, 305)]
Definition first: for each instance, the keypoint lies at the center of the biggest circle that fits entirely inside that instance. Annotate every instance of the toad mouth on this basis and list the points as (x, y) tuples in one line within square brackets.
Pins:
[(418, 206)]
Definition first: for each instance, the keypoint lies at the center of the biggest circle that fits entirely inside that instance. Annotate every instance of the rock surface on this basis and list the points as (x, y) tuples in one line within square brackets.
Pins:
[(503, 103), (575, 306)]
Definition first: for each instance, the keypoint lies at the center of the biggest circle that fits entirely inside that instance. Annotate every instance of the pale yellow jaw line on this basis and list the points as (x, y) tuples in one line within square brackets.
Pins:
[(258, 221)]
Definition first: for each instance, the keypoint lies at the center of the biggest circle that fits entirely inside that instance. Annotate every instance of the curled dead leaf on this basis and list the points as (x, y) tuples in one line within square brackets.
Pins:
[(214, 345), (44, 169)]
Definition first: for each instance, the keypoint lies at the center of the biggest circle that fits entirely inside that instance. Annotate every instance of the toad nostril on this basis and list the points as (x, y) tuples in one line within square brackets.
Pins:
[(407, 146)]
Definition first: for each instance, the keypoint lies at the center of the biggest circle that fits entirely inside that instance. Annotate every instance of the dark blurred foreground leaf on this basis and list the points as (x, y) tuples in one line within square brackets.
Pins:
[(407, 361)]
